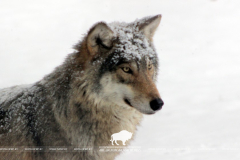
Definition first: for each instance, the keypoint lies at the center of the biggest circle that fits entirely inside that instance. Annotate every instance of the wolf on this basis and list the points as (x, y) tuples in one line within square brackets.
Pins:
[(103, 87)]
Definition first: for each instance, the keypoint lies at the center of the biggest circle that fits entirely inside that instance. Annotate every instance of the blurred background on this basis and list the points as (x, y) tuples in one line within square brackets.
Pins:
[(198, 46)]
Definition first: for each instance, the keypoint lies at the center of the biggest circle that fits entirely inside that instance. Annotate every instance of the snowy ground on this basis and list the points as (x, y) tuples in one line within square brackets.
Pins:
[(198, 46)]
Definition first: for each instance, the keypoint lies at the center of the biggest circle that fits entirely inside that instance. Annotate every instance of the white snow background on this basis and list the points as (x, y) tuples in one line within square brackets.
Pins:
[(198, 43)]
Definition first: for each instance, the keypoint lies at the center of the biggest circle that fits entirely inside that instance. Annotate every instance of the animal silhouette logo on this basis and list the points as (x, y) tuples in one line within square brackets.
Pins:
[(122, 136)]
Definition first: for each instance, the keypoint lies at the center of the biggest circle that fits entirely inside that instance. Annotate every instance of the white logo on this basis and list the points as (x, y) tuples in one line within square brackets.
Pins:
[(122, 135)]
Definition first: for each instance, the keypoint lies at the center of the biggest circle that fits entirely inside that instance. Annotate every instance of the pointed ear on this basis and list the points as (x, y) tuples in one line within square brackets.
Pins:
[(149, 25), (99, 39)]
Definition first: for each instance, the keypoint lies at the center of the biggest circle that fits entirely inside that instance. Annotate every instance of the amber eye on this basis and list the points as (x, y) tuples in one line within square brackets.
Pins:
[(150, 66), (127, 69)]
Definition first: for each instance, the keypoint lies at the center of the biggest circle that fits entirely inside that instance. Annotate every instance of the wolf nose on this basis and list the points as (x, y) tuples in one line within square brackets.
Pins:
[(156, 104)]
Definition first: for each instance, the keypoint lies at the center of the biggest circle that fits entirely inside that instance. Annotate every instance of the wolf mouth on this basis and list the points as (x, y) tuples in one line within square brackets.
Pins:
[(127, 102)]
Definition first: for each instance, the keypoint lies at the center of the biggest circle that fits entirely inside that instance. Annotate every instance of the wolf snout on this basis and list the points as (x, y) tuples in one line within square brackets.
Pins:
[(156, 104)]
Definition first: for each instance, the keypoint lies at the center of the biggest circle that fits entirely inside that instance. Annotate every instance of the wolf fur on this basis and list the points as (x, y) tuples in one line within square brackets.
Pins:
[(102, 88)]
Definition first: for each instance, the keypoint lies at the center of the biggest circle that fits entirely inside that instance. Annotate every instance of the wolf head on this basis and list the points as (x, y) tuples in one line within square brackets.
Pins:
[(121, 65)]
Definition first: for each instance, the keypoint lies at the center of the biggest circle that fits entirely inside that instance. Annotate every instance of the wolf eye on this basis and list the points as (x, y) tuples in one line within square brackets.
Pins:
[(150, 66), (127, 69)]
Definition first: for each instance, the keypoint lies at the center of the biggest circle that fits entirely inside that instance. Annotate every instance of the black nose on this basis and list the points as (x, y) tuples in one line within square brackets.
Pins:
[(156, 104)]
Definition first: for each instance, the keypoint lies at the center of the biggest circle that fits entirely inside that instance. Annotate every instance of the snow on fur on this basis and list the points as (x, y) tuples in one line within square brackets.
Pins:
[(133, 44), (7, 94)]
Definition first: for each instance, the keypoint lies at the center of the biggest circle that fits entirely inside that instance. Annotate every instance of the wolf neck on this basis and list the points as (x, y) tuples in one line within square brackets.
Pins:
[(77, 106)]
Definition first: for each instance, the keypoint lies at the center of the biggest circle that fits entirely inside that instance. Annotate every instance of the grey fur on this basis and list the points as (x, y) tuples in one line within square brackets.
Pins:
[(68, 107)]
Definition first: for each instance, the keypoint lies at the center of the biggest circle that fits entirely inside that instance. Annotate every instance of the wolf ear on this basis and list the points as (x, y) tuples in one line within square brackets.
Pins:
[(149, 25), (99, 39)]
